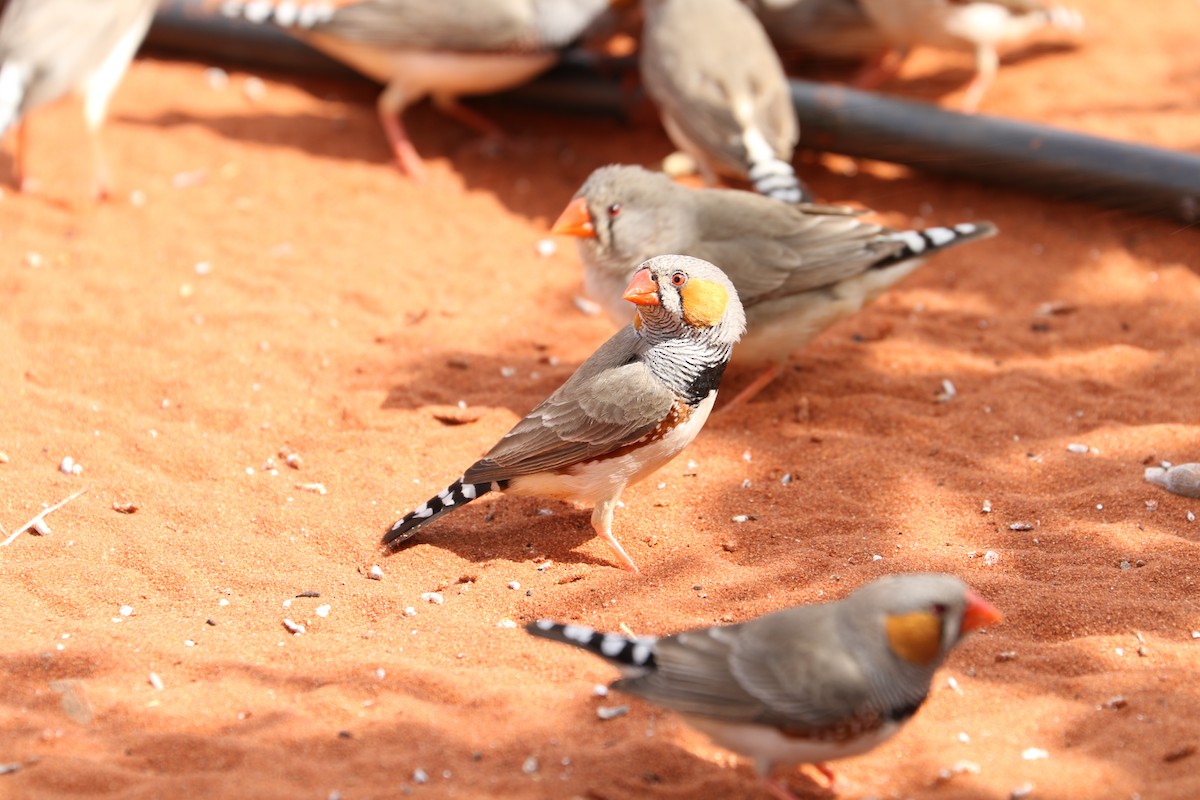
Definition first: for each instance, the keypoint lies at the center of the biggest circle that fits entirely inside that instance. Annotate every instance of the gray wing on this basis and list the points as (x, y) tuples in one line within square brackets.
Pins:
[(772, 670), (462, 25), (796, 664), (692, 675), (60, 41), (702, 62), (772, 249), (611, 400)]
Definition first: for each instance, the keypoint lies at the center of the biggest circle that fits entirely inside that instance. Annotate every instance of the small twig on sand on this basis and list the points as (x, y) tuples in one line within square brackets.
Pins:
[(39, 517)]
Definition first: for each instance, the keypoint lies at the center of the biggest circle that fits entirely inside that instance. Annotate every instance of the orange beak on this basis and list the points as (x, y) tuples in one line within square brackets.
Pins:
[(642, 290), (979, 613), (575, 220)]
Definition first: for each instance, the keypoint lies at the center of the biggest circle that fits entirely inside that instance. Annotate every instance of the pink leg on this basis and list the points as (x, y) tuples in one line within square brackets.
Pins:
[(102, 180), (881, 68), (21, 158), (390, 105), (986, 63), (827, 771), (778, 789), (757, 385), (449, 105)]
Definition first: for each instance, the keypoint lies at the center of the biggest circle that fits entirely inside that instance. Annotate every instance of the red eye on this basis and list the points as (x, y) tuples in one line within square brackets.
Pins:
[(939, 609), (614, 209), (678, 279)]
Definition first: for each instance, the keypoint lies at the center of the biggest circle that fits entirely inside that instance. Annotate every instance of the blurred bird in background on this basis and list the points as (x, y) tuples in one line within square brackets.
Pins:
[(50, 48), (722, 93), (441, 48), (838, 29), (973, 25)]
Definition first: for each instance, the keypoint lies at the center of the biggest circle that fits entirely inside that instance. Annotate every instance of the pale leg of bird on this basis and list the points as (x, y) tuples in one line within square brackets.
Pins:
[(449, 105), (20, 158), (391, 105), (755, 386), (987, 61), (778, 789), (881, 68), (602, 519), (102, 178)]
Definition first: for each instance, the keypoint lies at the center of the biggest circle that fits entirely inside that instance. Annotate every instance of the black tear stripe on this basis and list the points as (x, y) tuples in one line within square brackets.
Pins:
[(706, 381)]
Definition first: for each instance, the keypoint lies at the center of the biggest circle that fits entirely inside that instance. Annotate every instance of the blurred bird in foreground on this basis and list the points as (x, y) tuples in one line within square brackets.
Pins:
[(722, 93), (822, 28), (441, 48), (798, 268), (804, 685), (49, 48), (974, 25)]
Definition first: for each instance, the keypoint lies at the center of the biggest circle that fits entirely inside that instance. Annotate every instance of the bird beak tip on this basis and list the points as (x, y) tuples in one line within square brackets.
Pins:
[(575, 220), (642, 290)]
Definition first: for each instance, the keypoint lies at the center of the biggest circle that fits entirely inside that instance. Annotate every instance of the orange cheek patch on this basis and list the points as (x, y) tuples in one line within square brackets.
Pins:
[(703, 303), (915, 637)]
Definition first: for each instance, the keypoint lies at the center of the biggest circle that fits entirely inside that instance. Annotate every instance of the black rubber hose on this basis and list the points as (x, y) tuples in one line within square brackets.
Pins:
[(1134, 177)]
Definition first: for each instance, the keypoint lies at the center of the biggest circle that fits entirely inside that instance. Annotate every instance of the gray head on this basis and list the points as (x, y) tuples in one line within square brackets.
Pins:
[(681, 296), (917, 619), (624, 214)]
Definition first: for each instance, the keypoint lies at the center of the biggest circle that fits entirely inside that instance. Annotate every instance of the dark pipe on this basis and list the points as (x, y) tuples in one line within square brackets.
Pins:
[(1133, 177)]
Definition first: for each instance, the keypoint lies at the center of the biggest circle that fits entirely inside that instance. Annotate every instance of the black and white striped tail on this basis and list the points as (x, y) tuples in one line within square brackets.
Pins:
[(775, 178), (921, 243), (455, 495), (634, 657), (296, 14)]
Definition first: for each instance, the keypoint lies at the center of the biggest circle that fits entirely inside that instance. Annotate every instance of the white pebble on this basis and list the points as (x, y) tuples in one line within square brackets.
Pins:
[(1021, 792), (420, 776), (202, 268), (600, 690), (786, 479), (545, 565), (380, 673), (33, 260), (987, 507), (1077, 448), (223, 602), (506, 623), (1181, 479), (991, 558), (514, 585), (588, 307), (508, 372), (611, 712), (322, 611), (216, 78), (964, 737), (433, 597), (254, 89), (1034, 754), (125, 611), (740, 518), (376, 573), (530, 766), (545, 512), (409, 611), (948, 392), (188, 643), (315, 488), (876, 557), (67, 465), (155, 681), (546, 247), (295, 627)]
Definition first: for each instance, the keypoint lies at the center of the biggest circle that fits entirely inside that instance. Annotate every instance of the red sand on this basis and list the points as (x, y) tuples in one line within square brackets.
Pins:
[(345, 305)]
